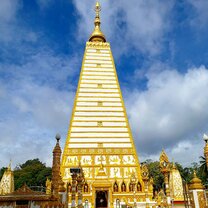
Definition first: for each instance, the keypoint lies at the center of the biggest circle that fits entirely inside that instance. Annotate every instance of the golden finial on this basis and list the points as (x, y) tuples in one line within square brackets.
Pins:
[(9, 166), (97, 35), (97, 9), (173, 164)]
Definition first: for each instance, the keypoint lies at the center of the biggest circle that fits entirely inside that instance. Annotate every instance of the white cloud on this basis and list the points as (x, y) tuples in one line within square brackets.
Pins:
[(171, 113), (13, 30), (36, 101), (8, 10), (201, 17), (137, 24)]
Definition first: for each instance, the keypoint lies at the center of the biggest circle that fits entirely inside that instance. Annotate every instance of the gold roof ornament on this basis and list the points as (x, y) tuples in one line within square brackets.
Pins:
[(164, 161), (97, 35), (57, 148), (145, 172), (195, 183)]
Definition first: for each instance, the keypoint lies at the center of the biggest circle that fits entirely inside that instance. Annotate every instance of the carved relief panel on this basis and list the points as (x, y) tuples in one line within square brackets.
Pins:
[(128, 159), (71, 160), (99, 159), (67, 173), (128, 171), (114, 160), (86, 160), (115, 172), (87, 172)]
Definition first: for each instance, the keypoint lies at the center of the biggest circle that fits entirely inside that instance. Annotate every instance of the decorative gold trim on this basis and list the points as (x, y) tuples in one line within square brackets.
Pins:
[(97, 45)]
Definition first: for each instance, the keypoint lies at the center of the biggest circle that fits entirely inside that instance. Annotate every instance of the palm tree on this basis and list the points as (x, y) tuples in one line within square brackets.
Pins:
[(203, 165), (203, 170)]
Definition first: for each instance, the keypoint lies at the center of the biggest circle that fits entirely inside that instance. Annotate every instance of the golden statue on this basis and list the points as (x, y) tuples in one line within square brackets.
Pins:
[(48, 186)]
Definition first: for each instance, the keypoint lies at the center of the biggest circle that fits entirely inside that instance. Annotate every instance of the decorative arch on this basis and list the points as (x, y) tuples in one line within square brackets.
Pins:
[(131, 187), (139, 186), (115, 187), (123, 187), (86, 187)]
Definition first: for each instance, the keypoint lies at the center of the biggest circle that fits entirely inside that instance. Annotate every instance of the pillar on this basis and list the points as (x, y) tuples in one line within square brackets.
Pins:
[(196, 192), (56, 179), (73, 194)]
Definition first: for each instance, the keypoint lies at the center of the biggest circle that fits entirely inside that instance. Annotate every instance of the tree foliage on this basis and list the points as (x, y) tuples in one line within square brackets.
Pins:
[(155, 173), (32, 172), (2, 171), (186, 172)]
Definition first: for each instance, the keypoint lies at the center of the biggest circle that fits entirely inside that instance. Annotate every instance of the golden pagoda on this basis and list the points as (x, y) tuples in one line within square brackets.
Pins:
[(176, 186), (99, 137), (7, 181)]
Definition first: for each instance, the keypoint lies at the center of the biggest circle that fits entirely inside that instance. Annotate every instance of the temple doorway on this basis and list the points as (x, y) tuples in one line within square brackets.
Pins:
[(101, 199)]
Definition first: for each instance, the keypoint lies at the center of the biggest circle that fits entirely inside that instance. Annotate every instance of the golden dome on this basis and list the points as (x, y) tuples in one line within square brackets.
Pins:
[(97, 35), (195, 183)]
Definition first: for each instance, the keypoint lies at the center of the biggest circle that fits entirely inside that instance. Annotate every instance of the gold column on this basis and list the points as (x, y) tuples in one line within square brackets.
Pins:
[(56, 179), (145, 178), (166, 174), (80, 180), (73, 195), (133, 181)]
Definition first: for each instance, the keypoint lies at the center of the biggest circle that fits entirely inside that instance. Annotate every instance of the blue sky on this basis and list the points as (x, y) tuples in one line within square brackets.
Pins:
[(161, 54)]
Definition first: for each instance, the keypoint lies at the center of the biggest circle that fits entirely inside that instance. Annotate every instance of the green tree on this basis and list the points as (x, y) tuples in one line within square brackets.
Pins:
[(186, 172), (202, 163), (155, 173), (2, 171), (32, 172), (203, 171)]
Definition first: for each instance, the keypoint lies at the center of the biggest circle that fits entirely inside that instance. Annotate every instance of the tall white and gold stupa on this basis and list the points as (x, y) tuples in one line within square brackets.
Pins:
[(99, 137)]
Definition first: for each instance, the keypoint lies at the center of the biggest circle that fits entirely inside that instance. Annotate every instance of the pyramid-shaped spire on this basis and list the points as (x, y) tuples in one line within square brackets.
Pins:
[(99, 132)]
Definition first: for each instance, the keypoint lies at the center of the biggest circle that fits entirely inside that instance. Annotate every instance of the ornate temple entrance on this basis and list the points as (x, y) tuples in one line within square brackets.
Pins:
[(101, 199)]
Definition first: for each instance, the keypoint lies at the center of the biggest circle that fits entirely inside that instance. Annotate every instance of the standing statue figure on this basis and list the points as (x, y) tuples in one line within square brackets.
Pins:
[(48, 186)]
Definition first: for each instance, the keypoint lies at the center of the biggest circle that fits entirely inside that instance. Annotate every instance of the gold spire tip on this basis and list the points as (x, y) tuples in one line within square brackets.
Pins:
[(10, 165), (97, 35), (97, 7)]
